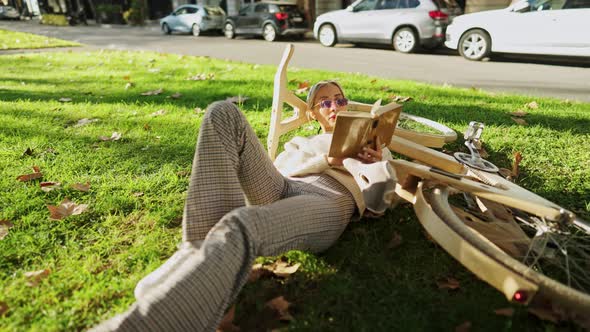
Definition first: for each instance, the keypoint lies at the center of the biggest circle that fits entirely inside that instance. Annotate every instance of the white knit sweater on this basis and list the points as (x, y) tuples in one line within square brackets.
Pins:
[(308, 155)]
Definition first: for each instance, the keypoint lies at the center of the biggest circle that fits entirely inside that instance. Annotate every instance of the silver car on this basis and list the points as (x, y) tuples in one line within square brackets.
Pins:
[(9, 13), (194, 19), (407, 24)]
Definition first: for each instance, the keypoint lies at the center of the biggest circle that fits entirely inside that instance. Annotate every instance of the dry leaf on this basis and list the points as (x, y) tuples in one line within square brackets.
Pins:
[(126, 77), (65, 209), (227, 322), (198, 110), (545, 314), (519, 113), (396, 241), (138, 194), (464, 327), (302, 85), (516, 164), (129, 85), (49, 186), (520, 121), (237, 99), (175, 95), (85, 121), (281, 306), (158, 113), (5, 225), (114, 137), (508, 312), (81, 187), (258, 271), (532, 105), (282, 269), (3, 308), (201, 77), (483, 153), (34, 277), (153, 92), (373, 81), (448, 283), (31, 176), (65, 100)]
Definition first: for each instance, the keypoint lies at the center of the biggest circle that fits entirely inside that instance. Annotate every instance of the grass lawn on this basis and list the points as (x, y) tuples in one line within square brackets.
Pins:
[(20, 40), (138, 184)]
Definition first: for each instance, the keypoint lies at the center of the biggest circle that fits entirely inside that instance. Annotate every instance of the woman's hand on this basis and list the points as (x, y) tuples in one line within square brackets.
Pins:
[(370, 155)]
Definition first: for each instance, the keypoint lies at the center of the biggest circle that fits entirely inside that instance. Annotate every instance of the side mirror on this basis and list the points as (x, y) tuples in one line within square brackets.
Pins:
[(520, 6), (350, 9), (173, 14)]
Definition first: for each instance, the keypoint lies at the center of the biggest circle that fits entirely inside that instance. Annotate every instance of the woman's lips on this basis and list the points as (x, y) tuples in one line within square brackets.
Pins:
[(332, 117)]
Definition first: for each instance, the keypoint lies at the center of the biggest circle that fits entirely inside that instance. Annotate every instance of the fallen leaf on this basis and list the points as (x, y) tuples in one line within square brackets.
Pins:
[(49, 186), (302, 87), (28, 152), (545, 314), (464, 327), (198, 110), (126, 77), (520, 121), (146, 127), (532, 105), (5, 225), (283, 269), (3, 308), (281, 307), (302, 90), (201, 77), (237, 99), (138, 194), (65, 100), (129, 85), (175, 95), (153, 92), (448, 283), (508, 312), (396, 241), (65, 209), (114, 137), (519, 113), (483, 152), (258, 271), (158, 113), (34, 277), (85, 121), (81, 187), (31, 176), (373, 81), (227, 322), (516, 164)]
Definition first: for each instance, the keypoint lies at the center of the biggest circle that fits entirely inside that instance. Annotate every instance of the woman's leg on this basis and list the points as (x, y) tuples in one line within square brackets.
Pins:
[(195, 295), (229, 162)]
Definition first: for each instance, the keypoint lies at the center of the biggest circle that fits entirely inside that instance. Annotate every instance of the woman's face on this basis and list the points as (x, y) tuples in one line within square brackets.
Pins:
[(326, 116)]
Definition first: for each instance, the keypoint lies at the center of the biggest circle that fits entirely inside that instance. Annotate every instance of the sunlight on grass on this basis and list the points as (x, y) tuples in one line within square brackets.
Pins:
[(138, 184), (20, 40)]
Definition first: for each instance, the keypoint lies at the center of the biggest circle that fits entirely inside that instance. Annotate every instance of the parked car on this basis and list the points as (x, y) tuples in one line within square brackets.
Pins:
[(407, 24), (550, 27), (193, 19), (270, 19), (8, 13)]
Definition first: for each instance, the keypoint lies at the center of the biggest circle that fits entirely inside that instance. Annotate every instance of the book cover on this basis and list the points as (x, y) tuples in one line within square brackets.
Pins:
[(355, 129)]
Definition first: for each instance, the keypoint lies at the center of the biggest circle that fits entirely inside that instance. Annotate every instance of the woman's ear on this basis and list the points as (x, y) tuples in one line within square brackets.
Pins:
[(311, 114)]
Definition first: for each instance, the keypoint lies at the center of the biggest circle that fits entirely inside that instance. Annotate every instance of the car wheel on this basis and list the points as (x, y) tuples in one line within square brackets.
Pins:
[(196, 30), (269, 32), (475, 45), (405, 40), (229, 31), (327, 35), (165, 29)]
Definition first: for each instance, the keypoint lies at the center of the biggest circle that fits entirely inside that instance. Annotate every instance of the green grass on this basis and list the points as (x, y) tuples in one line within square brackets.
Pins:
[(138, 185), (20, 40)]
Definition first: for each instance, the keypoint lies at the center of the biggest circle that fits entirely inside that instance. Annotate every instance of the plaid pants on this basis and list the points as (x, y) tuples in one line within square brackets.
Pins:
[(222, 235)]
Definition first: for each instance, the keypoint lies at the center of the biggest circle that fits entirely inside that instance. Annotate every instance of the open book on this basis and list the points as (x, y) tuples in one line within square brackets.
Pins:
[(355, 129)]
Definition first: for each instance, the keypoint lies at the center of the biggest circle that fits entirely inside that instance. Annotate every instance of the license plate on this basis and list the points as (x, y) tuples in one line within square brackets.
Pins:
[(297, 19)]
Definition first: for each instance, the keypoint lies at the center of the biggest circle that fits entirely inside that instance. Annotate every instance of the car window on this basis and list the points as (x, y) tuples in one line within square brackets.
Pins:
[(446, 4), (261, 8), (288, 9), (181, 11), (408, 4), (365, 5), (386, 4), (576, 4), (191, 10), (245, 10)]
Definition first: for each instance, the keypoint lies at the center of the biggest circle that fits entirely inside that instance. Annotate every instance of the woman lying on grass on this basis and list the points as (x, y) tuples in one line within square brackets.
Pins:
[(303, 201)]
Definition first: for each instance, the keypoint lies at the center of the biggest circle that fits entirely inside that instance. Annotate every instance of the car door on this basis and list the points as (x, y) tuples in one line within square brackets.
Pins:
[(572, 23), (382, 20), (356, 25), (174, 22), (259, 16), (188, 18), (242, 19)]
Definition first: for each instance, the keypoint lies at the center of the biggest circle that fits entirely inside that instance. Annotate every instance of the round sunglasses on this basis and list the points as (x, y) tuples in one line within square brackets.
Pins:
[(328, 103)]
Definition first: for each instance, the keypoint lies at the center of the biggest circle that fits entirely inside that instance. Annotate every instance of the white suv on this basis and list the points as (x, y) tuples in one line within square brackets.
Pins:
[(407, 24)]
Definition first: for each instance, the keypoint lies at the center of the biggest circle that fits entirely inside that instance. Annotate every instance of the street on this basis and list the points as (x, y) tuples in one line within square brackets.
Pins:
[(522, 75)]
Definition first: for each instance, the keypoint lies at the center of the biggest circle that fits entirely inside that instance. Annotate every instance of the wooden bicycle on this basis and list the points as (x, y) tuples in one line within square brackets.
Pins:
[(520, 243)]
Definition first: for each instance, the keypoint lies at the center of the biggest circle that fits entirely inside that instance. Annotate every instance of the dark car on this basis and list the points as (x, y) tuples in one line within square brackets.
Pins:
[(269, 19)]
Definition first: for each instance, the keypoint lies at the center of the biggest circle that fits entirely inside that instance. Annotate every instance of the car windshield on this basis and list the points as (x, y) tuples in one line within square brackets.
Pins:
[(446, 4), (365, 5)]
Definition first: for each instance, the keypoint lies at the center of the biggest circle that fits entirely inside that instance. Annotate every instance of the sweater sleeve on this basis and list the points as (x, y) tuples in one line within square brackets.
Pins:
[(302, 157)]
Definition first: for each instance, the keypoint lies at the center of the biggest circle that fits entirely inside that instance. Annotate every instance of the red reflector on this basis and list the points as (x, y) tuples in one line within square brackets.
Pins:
[(281, 16), (437, 15), (520, 296)]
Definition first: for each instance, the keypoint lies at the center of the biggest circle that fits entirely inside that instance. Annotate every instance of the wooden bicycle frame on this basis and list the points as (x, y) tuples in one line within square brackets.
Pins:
[(432, 167)]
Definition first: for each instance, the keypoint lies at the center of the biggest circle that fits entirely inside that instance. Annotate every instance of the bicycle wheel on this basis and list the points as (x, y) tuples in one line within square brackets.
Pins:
[(555, 256)]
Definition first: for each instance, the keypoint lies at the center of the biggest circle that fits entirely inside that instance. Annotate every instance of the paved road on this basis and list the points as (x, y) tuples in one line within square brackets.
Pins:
[(529, 76)]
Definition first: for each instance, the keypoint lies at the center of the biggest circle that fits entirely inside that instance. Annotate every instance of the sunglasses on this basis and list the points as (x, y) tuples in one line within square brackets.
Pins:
[(328, 103)]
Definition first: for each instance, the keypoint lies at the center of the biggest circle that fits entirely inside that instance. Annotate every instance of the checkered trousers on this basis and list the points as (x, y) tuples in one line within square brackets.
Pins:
[(222, 235)]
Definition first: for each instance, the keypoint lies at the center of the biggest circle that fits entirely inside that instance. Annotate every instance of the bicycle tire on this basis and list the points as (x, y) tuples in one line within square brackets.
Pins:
[(548, 288)]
